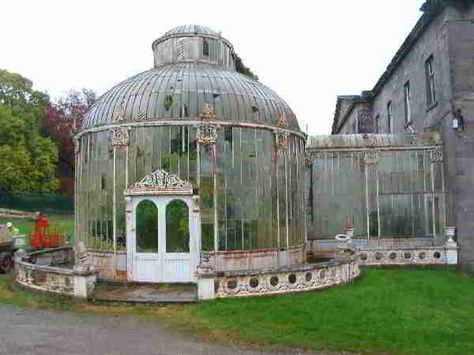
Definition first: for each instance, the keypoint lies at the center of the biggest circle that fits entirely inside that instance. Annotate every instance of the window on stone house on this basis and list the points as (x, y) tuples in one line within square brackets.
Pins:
[(389, 118), (376, 124), (205, 48), (407, 101), (430, 82)]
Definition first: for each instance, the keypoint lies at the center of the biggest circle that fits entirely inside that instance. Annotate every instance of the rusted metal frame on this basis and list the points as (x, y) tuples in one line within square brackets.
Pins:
[(195, 122)]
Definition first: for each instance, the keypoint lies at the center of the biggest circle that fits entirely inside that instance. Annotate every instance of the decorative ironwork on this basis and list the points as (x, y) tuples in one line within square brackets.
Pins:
[(207, 134), (281, 140), (282, 121), (371, 157), (281, 134), (436, 154), (207, 112), (160, 181), (120, 137)]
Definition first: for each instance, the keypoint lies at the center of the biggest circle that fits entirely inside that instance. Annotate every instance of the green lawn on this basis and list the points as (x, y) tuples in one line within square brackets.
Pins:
[(421, 311), (394, 311), (60, 223)]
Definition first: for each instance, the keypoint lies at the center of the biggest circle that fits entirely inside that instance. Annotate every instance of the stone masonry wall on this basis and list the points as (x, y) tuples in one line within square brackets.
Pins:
[(460, 145), (432, 42)]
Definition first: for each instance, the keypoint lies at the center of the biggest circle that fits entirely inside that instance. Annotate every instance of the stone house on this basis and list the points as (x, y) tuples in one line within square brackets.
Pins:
[(427, 88)]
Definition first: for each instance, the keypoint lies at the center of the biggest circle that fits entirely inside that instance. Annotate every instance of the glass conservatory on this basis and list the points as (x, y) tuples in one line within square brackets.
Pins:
[(383, 186), (190, 162)]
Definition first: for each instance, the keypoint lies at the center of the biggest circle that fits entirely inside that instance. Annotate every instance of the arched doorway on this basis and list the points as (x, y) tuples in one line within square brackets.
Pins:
[(163, 234)]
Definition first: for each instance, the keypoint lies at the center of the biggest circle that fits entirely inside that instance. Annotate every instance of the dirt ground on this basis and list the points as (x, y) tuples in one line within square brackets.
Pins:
[(24, 331)]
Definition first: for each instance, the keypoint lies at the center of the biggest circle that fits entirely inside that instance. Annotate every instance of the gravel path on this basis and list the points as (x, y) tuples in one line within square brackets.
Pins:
[(40, 332)]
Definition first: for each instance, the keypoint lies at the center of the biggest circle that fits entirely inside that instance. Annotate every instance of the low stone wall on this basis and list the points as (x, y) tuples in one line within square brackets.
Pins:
[(49, 277), (408, 256), (253, 259), (396, 251), (108, 267), (297, 278)]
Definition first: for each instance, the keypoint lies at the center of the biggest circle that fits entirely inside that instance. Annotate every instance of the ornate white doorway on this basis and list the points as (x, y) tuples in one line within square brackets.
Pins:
[(163, 230)]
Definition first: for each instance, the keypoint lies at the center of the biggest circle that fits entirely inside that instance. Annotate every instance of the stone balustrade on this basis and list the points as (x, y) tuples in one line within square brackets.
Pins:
[(52, 270), (297, 278)]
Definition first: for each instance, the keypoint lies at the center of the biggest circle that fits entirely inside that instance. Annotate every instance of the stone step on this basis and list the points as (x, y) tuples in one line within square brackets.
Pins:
[(145, 292)]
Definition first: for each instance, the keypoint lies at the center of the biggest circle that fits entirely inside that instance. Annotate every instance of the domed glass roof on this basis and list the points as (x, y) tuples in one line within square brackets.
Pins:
[(183, 80)]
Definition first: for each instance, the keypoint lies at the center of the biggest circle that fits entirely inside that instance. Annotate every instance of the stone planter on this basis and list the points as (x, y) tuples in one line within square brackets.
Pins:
[(349, 231), (450, 232)]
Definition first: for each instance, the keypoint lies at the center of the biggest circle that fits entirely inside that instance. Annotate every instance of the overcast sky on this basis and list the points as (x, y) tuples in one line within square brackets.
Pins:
[(307, 51)]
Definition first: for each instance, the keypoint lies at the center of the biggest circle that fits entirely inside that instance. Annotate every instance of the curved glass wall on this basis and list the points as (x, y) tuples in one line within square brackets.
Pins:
[(251, 194)]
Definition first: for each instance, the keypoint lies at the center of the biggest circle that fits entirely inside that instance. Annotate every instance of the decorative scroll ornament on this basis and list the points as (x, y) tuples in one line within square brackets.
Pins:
[(282, 121), (371, 157), (436, 154), (160, 182), (281, 140), (281, 135), (207, 134), (120, 137), (207, 112)]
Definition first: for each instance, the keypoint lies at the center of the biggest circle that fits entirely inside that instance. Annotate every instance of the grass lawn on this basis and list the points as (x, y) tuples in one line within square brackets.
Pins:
[(60, 223), (395, 311)]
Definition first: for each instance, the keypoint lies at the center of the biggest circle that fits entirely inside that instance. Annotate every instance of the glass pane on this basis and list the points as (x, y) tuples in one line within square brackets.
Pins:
[(147, 227), (177, 227)]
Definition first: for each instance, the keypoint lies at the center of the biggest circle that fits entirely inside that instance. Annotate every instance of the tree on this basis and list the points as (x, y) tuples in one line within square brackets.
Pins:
[(61, 121), (27, 159)]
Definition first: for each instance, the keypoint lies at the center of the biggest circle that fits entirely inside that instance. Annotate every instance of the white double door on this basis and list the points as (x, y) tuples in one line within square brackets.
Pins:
[(163, 239)]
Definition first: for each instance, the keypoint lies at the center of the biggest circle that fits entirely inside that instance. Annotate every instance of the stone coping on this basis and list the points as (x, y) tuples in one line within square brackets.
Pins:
[(52, 269), (22, 260), (281, 269)]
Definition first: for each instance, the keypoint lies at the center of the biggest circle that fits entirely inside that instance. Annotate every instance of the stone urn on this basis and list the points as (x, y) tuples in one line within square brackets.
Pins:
[(348, 230), (450, 232)]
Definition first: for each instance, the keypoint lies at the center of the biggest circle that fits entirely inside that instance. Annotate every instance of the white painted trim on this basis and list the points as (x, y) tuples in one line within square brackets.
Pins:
[(161, 203)]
